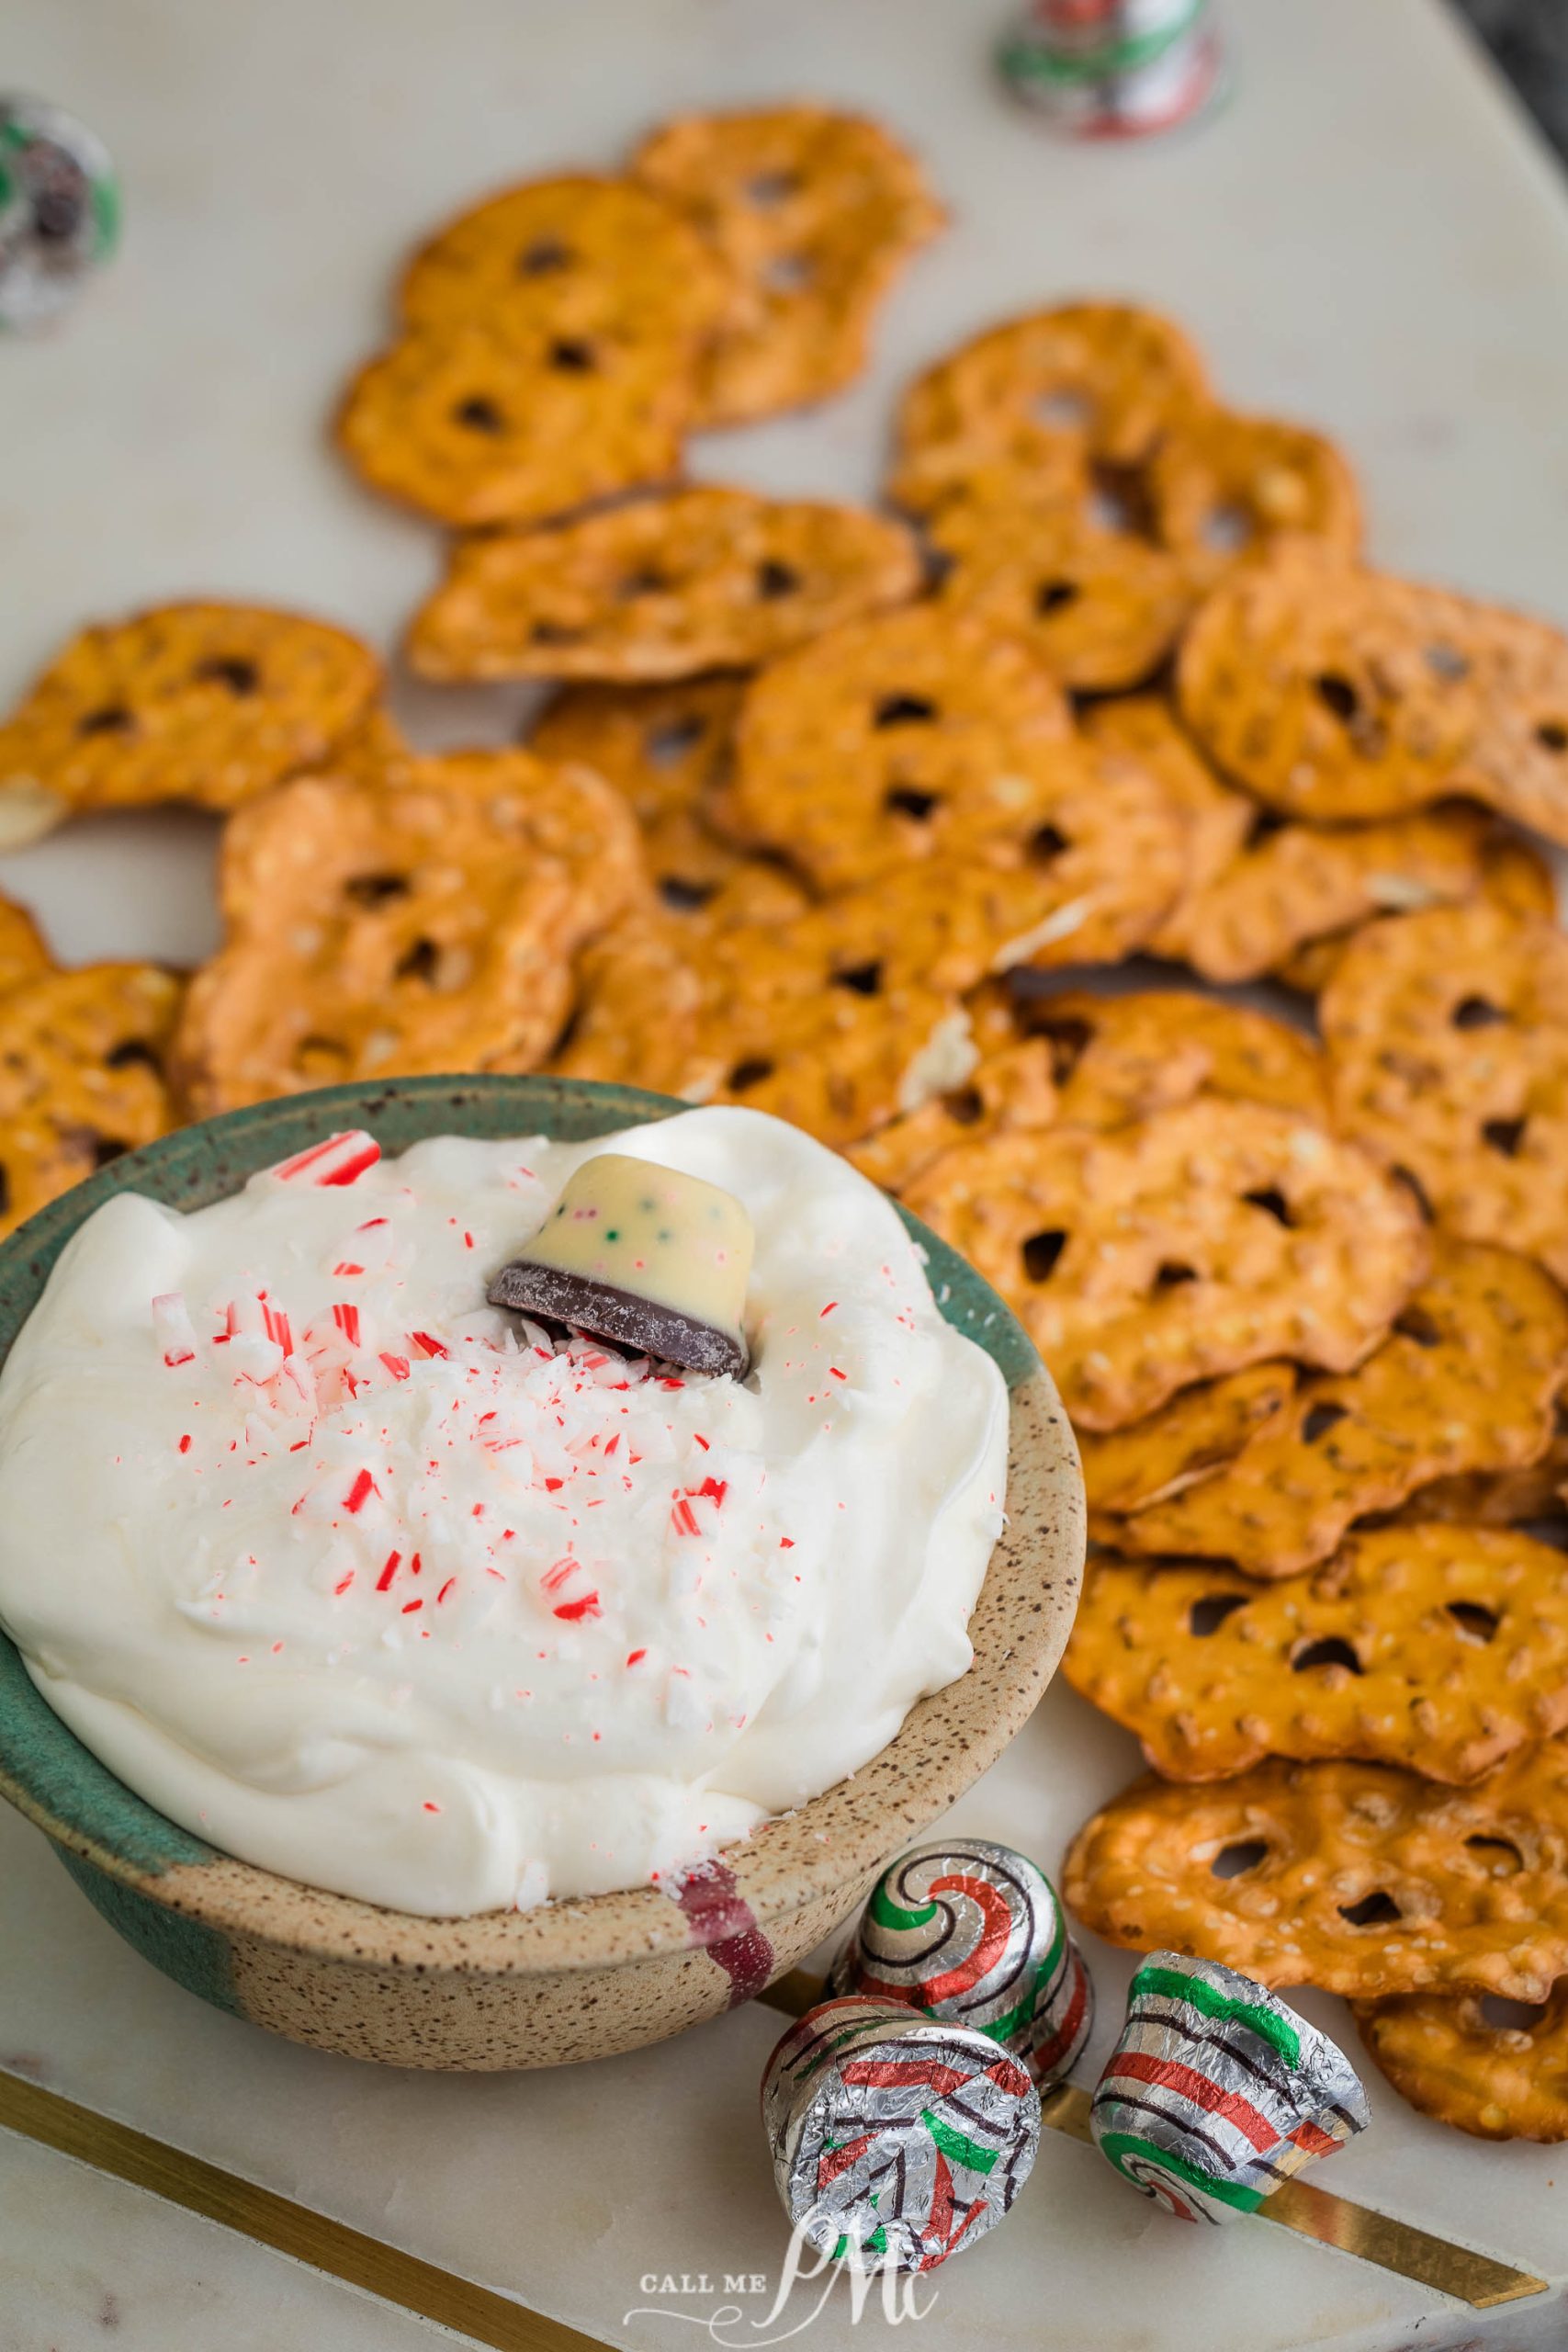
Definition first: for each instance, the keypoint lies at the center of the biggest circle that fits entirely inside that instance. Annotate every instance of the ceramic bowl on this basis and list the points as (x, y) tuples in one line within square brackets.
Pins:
[(605, 1972)]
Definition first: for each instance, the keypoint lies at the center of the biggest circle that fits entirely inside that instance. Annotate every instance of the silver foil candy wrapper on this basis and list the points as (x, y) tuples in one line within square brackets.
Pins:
[(898, 2141), (59, 210), (1217, 2091), (971, 1932), (1113, 68)]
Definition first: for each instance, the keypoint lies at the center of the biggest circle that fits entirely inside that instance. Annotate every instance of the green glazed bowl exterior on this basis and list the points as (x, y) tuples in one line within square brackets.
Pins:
[(571, 1980)]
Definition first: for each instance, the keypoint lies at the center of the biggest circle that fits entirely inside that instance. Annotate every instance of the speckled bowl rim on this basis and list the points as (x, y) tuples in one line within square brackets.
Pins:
[(847, 1832)]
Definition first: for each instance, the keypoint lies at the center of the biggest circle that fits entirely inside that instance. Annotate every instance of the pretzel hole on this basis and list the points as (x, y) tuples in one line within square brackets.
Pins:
[(1236, 1859), (1476, 1012), (1266, 822), (320, 1057), (1171, 1272), (1417, 1325), (789, 273), (375, 889), (965, 1106), (1320, 1419), (1225, 528), (683, 897), (132, 1053), (1272, 1203), (907, 802), (775, 579), (1337, 694), (240, 676), (1209, 1612), (1069, 1040), (1447, 660), (1510, 2017), (543, 258), (1041, 1252), (766, 189), (666, 745), (1552, 735), (1378, 1909), (1066, 408), (748, 1074), (903, 710), (1055, 596), (479, 416), (1046, 842), (649, 581), (865, 979), (1476, 1624), (554, 633), (106, 1147), (1330, 1650), (112, 719), (1500, 1855), (419, 962), (1505, 1136), (569, 357), (1118, 502)]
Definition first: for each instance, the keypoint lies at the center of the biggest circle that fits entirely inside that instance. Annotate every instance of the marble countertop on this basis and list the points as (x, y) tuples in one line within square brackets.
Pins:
[(1383, 251)]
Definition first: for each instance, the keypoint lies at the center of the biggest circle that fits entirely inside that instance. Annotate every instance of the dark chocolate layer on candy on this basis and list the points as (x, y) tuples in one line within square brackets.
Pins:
[(610, 1313)]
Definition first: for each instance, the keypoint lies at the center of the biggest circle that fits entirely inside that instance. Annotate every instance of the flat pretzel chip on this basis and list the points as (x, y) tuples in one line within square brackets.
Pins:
[(1199, 1431), (204, 702), (1464, 1382), (1221, 486), (1098, 381), (814, 214), (665, 587), (1219, 821), (24, 956), (1357, 1878), (1008, 1092), (1198, 1241), (1453, 2056), (1513, 875), (1523, 1497), (81, 1077), (1337, 694), (1442, 1648), (1116, 1059), (1447, 1035), (426, 926)]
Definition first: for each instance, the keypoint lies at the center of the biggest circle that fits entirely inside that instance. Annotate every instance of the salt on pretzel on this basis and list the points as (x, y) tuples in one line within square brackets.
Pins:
[(1494, 2068), (1447, 1036), (428, 925), (1465, 1382), (1357, 1878), (813, 213), (1337, 694), (206, 702), (1441, 1647), (1198, 1241), (667, 587), (81, 1077)]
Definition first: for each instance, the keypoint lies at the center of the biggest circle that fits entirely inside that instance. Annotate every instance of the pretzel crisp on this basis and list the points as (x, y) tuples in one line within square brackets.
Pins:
[(1198, 1241), (813, 214), (24, 956), (426, 926), (1464, 1382), (1523, 1497), (1501, 2077), (1337, 694), (1116, 1059), (1513, 875), (1447, 1035), (665, 587), (81, 1077), (1221, 486), (1358, 1878), (204, 702), (1219, 821), (1005, 1093), (1443, 1648), (1199, 1431), (1088, 380), (667, 748)]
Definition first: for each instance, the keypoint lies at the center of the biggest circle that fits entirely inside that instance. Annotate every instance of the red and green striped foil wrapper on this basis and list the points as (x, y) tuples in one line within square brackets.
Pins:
[(897, 2139), (1217, 2091)]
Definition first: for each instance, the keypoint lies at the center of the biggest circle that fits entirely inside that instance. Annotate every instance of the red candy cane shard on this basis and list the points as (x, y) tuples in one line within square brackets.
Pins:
[(338, 1160)]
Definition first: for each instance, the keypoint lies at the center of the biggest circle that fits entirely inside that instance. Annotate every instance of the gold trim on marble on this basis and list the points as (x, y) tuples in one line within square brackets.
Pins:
[(1298, 2205), (314, 2239)]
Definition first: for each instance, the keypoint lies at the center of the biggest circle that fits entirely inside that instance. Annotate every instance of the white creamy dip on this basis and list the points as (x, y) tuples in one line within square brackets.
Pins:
[(370, 1584)]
